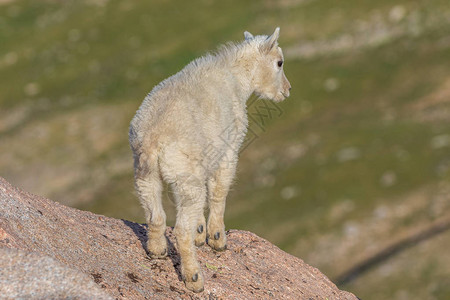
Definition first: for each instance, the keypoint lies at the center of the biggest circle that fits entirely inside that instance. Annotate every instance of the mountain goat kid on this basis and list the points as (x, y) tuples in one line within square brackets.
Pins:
[(187, 133)]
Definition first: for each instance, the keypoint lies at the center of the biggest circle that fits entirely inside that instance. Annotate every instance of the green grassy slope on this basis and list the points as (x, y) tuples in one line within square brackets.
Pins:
[(355, 159)]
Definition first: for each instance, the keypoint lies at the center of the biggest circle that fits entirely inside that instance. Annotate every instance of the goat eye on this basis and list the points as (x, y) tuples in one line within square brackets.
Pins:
[(280, 63)]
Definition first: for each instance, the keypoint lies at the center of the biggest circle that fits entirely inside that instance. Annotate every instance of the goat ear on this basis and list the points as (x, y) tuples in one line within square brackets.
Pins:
[(248, 35), (271, 41)]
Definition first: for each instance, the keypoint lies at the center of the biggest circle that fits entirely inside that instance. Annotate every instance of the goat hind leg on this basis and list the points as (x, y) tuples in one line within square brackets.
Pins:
[(200, 237), (149, 187), (191, 195)]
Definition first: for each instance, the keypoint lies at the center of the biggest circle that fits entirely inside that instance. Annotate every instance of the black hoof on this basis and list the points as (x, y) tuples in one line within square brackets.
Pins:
[(195, 277), (199, 290), (200, 228), (221, 249), (153, 255), (217, 235), (199, 244)]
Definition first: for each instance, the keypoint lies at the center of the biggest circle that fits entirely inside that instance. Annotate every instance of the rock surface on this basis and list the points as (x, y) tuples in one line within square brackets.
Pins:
[(32, 275), (79, 244)]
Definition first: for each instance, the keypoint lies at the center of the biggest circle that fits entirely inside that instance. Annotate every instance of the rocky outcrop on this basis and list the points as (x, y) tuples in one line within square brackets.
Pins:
[(84, 255)]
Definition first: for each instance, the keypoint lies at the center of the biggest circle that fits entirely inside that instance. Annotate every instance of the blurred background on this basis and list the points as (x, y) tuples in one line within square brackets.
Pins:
[(351, 173)]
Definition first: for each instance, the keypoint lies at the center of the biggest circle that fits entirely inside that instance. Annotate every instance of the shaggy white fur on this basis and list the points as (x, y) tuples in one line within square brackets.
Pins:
[(188, 132)]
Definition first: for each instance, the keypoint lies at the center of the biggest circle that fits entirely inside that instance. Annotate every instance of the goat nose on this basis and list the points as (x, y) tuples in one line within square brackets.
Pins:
[(290, 88)]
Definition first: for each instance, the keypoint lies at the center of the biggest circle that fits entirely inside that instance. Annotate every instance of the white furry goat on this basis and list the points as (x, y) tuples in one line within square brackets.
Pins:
[(188, 131)]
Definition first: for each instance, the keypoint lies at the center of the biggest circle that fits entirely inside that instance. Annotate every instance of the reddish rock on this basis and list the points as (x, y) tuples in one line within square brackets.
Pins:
[(111, 253)]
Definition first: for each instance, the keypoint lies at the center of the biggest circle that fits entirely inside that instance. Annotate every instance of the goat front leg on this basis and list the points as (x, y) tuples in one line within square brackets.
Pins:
[(218, 187)]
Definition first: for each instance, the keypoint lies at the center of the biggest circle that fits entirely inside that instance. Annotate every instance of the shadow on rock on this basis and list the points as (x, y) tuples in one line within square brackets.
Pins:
[(140, 230)]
